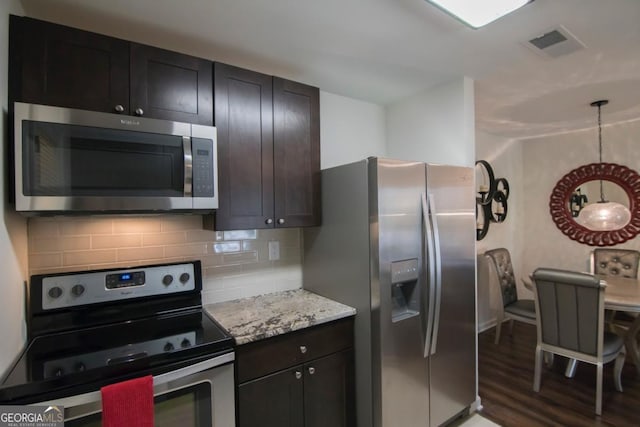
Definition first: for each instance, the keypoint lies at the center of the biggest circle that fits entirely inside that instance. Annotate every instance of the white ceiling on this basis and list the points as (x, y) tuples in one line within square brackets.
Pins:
[(384, 50)]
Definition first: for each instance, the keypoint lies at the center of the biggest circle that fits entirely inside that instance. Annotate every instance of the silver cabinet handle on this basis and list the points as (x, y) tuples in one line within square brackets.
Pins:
[(281, 221), (312, 370), (139, 111), (269, 221), (303, 349), (298, 375), (119, 108)]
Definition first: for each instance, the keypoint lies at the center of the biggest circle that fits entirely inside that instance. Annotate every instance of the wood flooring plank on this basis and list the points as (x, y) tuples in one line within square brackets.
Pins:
[(505, 382)]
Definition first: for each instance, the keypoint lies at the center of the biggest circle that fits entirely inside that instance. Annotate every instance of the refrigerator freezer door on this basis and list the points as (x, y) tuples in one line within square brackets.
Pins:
[(452, 365), (400, 373)]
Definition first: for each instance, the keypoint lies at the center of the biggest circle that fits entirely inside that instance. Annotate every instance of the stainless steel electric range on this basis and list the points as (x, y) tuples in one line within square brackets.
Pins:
[(89, 329)]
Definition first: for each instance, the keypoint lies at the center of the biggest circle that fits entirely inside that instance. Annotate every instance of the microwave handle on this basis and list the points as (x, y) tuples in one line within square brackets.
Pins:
[(188, 166)]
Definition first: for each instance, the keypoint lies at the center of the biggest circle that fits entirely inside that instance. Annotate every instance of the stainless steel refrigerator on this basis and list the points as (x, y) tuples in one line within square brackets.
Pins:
[(397, 242)]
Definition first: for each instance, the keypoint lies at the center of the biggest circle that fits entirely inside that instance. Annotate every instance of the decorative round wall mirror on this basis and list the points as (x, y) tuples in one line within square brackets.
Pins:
[(581, 187)]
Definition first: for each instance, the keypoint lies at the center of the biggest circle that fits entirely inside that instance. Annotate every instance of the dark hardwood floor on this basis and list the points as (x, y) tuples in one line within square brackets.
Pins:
[(505, 375)]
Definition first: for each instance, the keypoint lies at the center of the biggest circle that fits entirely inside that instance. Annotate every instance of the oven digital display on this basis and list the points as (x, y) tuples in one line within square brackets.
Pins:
[(124, 280)]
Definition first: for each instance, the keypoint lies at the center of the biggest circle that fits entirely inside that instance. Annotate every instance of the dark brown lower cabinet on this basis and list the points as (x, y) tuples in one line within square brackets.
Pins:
[(274, 400), (316, 394), (329, 391), (302, 379)]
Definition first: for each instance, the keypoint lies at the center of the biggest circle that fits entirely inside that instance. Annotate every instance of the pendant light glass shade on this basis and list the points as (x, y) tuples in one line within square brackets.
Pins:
[(604, 216)]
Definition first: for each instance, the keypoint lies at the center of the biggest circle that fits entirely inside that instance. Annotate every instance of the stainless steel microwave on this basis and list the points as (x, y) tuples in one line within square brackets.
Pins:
[(78, 161)]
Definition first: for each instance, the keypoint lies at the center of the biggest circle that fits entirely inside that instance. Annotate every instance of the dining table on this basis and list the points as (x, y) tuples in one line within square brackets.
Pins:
[(623, 294), (620, 294)]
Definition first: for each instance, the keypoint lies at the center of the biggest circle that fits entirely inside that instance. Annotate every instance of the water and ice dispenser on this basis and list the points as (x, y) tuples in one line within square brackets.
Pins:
[(405, 291)]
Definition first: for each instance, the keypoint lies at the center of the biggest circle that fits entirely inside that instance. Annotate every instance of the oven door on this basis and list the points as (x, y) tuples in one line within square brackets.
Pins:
[(199, 395)]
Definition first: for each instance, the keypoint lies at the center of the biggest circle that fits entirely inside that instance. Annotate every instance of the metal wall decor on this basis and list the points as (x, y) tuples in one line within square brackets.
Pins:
[(560, 202), (491, 202)]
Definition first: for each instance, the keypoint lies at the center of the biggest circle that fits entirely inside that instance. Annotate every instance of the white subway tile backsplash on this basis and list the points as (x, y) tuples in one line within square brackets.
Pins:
[(181, 222), (193, 250), (137, 225), (158, 239), (240, 234), (134, 254), (240, 257), (77, 227), (235, 263), (42, 261), (115, 241), (220, 248), (100, 256)]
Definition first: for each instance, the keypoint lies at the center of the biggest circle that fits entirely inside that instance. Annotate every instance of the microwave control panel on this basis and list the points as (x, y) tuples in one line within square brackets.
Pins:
[(202, 151)]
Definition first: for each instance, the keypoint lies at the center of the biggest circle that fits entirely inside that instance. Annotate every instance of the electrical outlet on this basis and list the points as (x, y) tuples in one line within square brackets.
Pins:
[(274, 250)]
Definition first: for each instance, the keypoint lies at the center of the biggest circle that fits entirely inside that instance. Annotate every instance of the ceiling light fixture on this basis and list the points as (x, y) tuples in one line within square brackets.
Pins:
[(603, 215), (479, 12)]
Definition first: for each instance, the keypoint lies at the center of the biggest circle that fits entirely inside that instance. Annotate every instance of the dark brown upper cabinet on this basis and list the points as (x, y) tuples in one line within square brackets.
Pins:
[(169, 85), (269, 151), (62, 66), (296, 136)]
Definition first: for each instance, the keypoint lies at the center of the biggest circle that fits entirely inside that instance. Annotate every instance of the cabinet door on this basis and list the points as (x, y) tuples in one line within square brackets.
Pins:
[(171, 86), (297, 153), (244, 117), (329, 391), (66, 67), (272, 401)]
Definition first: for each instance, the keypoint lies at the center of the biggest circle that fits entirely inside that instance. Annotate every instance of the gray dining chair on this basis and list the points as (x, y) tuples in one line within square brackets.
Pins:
[(512, 308), (570, 323), (614, 262)]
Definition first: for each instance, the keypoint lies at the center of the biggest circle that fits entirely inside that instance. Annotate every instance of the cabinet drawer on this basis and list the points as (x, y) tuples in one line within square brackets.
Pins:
[(263, 357)]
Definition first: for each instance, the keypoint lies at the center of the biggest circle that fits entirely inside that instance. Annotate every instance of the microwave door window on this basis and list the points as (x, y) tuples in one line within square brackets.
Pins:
[(70, 160)]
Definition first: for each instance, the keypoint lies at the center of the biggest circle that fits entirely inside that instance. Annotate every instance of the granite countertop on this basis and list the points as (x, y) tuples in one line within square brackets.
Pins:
[(255, 318)]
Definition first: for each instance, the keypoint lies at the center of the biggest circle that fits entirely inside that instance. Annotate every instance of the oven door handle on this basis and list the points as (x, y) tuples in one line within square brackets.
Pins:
[(96, 396)]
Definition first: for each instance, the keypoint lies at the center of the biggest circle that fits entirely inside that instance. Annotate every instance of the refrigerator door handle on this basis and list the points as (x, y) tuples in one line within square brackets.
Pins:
[(438, 272), (430, 279)]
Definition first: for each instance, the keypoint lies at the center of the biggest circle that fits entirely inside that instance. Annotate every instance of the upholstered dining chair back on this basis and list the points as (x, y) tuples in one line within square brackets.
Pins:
[(570, 323), (570, 310), (504, 270), (615, 262), (512, 308)]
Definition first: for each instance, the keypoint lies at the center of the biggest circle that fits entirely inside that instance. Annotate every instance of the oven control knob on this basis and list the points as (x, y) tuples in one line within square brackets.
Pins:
[(184, 278), (77, 290), (167, 280), (168, 347), (55, 292), (58, 372), (185, 343), (80, 367)]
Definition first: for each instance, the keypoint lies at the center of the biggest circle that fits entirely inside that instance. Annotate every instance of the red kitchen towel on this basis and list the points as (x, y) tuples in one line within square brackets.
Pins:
[(128, 404)]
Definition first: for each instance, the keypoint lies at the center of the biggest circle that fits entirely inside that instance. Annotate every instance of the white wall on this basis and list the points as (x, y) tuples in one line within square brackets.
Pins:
[(13, 231), (533, 167), (505, 158), (543, 243), (436, 125), (350, 130)]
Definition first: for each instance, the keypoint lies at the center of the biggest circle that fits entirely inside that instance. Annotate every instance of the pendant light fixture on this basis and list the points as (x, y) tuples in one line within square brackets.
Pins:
[(603, 215)]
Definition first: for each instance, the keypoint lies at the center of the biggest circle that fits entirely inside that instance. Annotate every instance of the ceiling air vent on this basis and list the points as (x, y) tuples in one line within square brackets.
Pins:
[(554, 43)]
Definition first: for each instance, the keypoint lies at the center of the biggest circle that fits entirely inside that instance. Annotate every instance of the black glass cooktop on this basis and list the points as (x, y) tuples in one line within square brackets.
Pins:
[(88, 358)]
